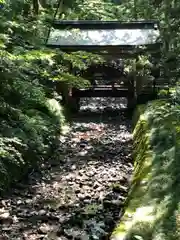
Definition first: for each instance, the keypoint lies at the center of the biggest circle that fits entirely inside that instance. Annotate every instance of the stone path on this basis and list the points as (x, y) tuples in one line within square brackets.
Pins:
[(79, 193)]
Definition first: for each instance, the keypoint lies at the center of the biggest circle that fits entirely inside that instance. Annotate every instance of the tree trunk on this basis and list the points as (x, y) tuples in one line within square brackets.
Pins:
[(26, 9), (44, 3), (36, 7)]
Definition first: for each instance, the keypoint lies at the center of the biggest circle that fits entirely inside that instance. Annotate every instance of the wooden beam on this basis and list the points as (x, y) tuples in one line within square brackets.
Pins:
[(93, 24), (117, 50), (100, 92)]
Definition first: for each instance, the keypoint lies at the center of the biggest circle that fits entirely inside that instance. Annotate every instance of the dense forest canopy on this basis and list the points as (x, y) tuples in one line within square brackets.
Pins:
[(28, 23)]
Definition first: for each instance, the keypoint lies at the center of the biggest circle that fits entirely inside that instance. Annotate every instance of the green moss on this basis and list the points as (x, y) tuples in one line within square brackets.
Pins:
[(152, 209)]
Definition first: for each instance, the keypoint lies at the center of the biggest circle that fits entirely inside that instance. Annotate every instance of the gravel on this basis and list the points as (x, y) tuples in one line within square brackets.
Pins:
[(80, 192)]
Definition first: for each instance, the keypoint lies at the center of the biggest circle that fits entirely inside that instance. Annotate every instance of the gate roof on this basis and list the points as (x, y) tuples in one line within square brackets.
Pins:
[(105, 37)]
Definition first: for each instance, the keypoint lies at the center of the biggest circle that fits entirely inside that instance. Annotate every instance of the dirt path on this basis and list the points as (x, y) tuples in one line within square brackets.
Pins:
[(79, 194)]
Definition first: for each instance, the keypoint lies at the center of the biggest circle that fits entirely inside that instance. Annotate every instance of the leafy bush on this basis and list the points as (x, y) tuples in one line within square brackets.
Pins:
[(30, 121), (26, 138)]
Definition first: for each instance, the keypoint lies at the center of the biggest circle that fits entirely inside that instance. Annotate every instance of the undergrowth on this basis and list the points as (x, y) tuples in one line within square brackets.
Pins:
[(30, 119)]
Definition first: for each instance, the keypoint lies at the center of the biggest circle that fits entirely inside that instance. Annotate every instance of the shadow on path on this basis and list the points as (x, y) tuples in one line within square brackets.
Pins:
[(80, 192)]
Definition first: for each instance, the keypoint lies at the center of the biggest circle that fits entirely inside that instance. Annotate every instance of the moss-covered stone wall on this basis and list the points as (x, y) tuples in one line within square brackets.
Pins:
[(152, 210)]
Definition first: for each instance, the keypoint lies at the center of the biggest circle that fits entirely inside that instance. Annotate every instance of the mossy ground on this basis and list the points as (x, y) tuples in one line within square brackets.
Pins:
[(153, 206)]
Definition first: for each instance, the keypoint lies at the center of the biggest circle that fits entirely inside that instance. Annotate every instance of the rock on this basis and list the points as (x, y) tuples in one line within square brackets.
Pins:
[(84, 141), (90, 174), (106, 203), (80, 196), (15, 219), (86, 188), (73, 234), (87, 201), (4, 213), (116, 202), (121, 198), (101, 196), (68, 177), (78, 190), (81, 172), (82, 153), (84, 236), (119, 188), (87, 196), (73, 167), (53, 216), (42, 212), (19, 202), (82, 145), (4, 237), (3, 203), (79, 179), (5, 217), (96, 185), (99, 189), (28, 201), (44, 229)]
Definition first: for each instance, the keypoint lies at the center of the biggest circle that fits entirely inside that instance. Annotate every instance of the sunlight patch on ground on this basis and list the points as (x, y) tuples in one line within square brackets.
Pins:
[(101, 104)]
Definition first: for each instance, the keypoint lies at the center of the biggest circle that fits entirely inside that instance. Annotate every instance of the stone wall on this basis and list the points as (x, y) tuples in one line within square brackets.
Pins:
[(152, 209)]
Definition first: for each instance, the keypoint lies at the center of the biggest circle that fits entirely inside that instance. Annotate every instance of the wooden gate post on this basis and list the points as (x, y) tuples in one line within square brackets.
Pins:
[(131, 99), (132, 94)]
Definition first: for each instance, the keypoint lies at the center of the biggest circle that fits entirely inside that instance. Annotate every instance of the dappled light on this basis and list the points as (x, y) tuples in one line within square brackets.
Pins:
[(81, 190), (103, 104)]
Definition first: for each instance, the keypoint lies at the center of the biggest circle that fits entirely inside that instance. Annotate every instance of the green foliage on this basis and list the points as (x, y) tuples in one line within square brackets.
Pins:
[(163, 93), (31, 119), (27, 136), (175, 95), (29, 123), (166, 12), (153, 204)]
